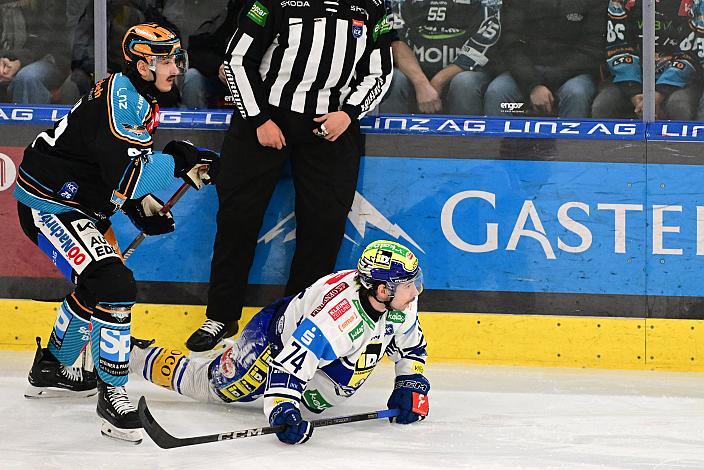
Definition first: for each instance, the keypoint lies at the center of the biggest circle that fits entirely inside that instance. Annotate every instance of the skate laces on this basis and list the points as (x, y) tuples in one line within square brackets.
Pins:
[(119, 400), (75, 374), (212, 327)]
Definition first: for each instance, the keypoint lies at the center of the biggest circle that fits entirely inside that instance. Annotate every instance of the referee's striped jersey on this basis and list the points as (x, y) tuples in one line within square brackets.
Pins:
[(309, 56)]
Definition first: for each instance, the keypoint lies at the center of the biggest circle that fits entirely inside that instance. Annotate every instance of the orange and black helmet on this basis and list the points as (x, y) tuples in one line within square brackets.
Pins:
[(151, 41)]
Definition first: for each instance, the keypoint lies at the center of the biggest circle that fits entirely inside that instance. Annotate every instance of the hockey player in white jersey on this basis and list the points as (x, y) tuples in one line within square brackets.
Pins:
[(315, 349)]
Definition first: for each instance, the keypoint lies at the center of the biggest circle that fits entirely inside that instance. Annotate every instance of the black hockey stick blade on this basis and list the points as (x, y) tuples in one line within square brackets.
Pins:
[(166, 441)]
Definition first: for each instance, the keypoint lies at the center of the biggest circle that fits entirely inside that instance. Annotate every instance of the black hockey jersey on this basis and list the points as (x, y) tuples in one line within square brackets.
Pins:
[(97, 156), (442, 32), (679, 41)]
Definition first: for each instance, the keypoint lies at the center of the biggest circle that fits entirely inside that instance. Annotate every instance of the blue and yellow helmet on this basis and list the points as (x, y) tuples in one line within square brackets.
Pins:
[(390, 263)]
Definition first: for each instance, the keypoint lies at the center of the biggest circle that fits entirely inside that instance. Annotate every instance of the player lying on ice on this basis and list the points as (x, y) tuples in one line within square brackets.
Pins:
[(316, 348)]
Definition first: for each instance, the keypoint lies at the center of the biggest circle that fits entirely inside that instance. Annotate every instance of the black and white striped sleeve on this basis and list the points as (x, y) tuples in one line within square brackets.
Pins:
[(255, 33), (373, 71)]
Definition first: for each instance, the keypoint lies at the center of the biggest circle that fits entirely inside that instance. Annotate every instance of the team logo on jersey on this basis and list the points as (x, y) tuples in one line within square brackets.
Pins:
[(357, 28), (134, 129), (68, 190)]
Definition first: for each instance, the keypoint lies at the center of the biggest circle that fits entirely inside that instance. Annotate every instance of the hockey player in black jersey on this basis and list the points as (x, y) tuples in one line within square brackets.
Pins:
[(95, 161)]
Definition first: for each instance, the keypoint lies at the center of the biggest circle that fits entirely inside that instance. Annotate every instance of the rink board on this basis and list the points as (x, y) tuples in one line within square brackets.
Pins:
[(531, 340), (581, 243)]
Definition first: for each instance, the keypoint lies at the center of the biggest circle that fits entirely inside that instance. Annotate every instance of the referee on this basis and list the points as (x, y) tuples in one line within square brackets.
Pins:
[(302, 73)]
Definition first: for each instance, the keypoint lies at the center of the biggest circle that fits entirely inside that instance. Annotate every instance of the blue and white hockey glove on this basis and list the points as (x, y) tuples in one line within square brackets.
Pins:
[(146, 216), (195, 165), (297, 429), (410, 395)]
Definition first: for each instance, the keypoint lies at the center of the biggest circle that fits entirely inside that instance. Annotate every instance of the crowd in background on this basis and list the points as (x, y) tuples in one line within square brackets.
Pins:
[(561, 58)]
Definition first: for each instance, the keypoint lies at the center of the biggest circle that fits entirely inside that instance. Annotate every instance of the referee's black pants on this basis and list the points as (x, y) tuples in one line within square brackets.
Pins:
[(325, 180)]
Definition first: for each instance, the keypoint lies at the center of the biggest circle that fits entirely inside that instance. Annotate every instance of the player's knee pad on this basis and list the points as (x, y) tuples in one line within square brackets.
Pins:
[(113, 290), (71, 330), (112, 282)]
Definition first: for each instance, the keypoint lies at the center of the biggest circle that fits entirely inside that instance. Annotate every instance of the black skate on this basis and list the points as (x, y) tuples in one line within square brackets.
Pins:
[(118, 416), (210, 334), (48, 378), (140, 343)]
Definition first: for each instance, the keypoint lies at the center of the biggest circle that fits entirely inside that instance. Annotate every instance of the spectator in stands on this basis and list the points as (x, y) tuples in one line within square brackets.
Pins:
[(122, 14), (33, 50), (678, 69), (442, 62), (204, 85), (551, 51)]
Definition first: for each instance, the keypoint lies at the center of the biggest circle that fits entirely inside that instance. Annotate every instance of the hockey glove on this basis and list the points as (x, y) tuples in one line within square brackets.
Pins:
[(410, 395), (297, 430), (144, 214), (196, 166)]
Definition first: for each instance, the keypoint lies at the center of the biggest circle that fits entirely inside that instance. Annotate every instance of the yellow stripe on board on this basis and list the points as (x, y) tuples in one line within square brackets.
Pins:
[(531, 340)]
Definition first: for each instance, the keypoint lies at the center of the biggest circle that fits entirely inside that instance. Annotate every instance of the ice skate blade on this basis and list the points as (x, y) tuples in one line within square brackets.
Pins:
[(54, 392), (132, 436)]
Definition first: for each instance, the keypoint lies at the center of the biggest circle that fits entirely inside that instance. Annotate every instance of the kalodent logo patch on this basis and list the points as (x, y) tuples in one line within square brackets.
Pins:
[(331, 294), (338, 310)]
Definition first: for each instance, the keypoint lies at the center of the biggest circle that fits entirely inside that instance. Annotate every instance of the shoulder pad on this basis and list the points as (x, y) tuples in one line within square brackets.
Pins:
[(127, 111)]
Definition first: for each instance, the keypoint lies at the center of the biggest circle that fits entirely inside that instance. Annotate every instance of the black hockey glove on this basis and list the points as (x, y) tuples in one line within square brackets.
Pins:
[(144, 214), (410, 395), (196, 166)]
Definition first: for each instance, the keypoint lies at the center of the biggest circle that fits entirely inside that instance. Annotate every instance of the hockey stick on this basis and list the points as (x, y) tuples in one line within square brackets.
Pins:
[(167, 207), (166, 441)]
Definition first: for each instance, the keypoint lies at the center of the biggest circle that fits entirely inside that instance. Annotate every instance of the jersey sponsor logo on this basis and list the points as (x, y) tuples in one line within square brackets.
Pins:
[(68, 190), (295, 3), (309, 334), (331, 294), (357, 28), (164, 366), (382, 27), (338, 310), (314, 400), (97, 245), (396, 316), (389, 329), (114, 344), (59, 236), (347, 322), (357, 331), (365, 364), (258, 13), (8, 172)]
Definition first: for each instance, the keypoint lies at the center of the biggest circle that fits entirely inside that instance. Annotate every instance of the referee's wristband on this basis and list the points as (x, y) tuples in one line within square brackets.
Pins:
[(352, 111)]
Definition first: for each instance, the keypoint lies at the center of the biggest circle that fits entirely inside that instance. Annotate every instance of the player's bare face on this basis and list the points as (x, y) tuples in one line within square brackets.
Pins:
[(165, 74), (405, 294)]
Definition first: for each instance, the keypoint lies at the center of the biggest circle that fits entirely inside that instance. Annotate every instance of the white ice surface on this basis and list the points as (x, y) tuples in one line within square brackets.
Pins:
[(481, 417)]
